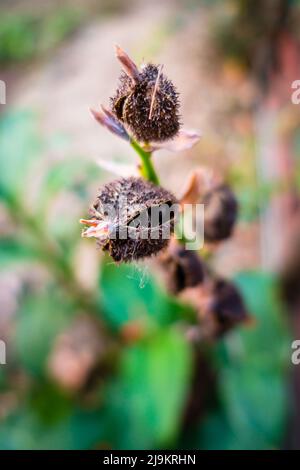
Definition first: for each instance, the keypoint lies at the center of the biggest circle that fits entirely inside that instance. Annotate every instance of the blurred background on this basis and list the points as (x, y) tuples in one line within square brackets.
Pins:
[(96, 355)]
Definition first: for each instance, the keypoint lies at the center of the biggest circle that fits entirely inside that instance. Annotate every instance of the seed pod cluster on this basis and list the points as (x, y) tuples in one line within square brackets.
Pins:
[(127, 206), (220, 213), (147, 105)]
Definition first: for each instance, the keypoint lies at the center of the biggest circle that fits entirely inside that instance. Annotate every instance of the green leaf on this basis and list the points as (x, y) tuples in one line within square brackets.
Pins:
[(145, 402), (129, 294), (50, 419), (245, 393), (19, 146), (269, 340), (39, 320)]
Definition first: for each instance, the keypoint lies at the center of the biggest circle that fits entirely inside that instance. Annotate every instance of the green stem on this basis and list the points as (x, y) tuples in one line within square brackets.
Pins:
[(147, 169)]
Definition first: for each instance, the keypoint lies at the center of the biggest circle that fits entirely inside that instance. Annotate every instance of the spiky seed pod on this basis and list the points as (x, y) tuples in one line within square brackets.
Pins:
[(148, 105), (127, 205), (220, 213)]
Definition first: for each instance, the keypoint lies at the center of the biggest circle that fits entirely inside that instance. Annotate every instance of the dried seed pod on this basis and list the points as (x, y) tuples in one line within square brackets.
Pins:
[(148, 105), (183, 268), (220, 213), (133, 218), (219, 305), (227, 306)]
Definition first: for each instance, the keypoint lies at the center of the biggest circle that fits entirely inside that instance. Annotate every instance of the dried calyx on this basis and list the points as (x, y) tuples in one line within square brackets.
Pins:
[(146, 102), (131, 219)]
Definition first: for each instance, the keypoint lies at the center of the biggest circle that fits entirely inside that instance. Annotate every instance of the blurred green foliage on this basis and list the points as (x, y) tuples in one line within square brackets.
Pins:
[(252, 367), (139, 402), (138, 299), (25, 36)]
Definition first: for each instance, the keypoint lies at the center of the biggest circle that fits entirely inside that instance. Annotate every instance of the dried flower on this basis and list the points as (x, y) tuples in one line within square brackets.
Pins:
[(145, 107), (131, 219), (146, 101)]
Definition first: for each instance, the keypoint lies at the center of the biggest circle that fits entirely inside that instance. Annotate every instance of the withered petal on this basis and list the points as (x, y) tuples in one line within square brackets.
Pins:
[(184, 140), (195, 187), (106, 119)]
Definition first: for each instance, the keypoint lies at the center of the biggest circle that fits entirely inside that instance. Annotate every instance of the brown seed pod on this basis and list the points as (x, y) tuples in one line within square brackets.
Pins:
[(220, 213), (132, 218), (148, 105), (227, 306), (183, 268), (219, 305)]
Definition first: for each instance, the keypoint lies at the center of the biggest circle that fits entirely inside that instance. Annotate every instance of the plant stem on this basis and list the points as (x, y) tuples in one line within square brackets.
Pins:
[(147, 169)]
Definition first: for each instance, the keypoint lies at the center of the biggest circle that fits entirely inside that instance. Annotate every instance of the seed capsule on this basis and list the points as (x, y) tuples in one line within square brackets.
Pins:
[(132, 219), (183, 268), (220, 213), (148, 105)]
